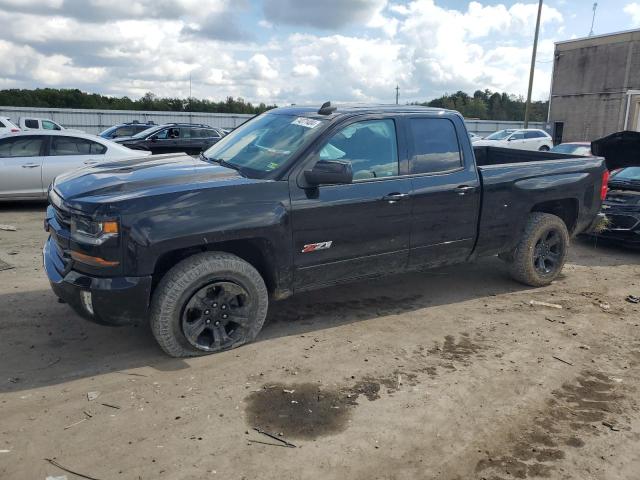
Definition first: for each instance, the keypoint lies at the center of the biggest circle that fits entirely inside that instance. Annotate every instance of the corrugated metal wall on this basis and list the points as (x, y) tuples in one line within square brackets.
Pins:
[(95, 121)]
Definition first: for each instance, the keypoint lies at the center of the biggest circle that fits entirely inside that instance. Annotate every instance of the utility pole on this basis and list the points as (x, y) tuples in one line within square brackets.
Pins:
[(593, 19), (397, 93), (527, 107)]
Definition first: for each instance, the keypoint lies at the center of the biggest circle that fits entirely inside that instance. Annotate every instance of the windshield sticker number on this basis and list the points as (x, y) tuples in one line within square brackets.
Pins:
[(306, 122)]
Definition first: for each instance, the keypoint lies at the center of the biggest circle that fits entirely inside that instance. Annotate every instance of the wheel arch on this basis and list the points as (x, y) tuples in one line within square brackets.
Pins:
[(258, 252), (565, 208)]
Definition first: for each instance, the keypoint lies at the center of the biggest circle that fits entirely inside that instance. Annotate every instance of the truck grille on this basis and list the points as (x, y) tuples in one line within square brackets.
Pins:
[(622, 222), (63, 218)]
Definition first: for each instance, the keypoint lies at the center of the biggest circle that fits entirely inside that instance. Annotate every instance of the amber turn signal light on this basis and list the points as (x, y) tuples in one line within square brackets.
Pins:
[(109, 227), (93, 261)]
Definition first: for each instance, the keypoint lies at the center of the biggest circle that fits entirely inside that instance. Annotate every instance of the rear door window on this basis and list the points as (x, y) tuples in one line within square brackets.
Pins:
[(434, 145), (75, 146), (30, 123), (2, 125), (20, 147)]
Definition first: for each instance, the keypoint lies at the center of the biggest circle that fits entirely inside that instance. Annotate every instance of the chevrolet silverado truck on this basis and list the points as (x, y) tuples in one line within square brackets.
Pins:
[(297, 199)]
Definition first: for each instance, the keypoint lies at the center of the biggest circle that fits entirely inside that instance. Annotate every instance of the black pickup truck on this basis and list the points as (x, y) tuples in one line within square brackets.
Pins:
[(301, 198)]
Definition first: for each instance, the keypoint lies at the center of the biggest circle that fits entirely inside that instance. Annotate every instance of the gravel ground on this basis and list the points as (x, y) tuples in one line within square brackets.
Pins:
[(448, 374)]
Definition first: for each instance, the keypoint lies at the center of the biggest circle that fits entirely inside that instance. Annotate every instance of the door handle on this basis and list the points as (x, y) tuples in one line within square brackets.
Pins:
[(91, 162), (463, 189), (30, 165), (395, 197)]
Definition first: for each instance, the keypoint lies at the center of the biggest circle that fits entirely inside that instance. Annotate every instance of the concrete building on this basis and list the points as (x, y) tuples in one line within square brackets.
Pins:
[(595, 87)]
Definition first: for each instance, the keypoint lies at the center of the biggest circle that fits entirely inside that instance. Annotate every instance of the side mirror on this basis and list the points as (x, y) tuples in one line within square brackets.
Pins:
[(153, 138), (329, 172)]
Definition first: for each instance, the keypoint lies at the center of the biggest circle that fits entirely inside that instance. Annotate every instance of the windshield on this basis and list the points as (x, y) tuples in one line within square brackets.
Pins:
[(500, 135), (265, 143), (627, 174), (108, 130), (572, 149), (148, 131)]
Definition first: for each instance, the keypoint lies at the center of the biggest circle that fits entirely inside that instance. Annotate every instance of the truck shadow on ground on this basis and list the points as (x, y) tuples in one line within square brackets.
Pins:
[(45, 343)]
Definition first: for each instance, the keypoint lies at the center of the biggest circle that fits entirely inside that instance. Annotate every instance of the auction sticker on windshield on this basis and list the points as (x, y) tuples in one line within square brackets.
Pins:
[(306, 122)]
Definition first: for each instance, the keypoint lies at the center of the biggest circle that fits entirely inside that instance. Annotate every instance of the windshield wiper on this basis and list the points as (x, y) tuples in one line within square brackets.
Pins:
[(224, 163)]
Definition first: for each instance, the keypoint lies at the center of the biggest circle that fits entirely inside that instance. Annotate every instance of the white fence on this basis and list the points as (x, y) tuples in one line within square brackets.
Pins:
[(95, 121)]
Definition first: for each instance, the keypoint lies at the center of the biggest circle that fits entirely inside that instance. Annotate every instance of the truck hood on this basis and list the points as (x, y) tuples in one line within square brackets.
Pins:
[(134, 178)]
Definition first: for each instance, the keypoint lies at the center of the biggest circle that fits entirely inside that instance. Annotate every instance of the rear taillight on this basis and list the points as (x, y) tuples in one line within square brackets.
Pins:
[(605, 185), (15, 130)]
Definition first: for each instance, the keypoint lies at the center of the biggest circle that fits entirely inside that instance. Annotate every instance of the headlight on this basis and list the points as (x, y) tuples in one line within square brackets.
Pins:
[(88, 229)]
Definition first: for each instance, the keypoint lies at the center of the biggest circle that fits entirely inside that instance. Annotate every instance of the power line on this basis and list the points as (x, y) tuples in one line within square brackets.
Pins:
[(593, 18)]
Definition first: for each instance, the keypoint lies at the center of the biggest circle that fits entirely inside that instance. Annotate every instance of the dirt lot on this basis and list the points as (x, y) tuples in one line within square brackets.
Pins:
[(447, 374)]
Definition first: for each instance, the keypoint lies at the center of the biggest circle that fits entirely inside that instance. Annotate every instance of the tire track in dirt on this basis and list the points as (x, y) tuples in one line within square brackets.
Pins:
[(568, 421)]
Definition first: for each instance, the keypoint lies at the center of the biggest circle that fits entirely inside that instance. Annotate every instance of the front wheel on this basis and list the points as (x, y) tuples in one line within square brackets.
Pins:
[(544, 148), (539, 257), (207, 303)]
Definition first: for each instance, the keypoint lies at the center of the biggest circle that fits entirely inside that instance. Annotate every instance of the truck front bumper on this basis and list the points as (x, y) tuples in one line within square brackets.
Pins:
[(108, 301)]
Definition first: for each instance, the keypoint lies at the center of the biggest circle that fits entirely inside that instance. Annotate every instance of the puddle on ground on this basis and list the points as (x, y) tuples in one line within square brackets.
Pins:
[(308, 411), (300, 410)]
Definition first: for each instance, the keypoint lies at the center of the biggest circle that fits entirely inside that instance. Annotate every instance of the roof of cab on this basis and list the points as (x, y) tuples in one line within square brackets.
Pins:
[(357, 109)]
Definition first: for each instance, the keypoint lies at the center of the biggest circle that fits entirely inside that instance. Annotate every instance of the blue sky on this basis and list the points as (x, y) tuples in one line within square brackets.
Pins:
[(291, 51)]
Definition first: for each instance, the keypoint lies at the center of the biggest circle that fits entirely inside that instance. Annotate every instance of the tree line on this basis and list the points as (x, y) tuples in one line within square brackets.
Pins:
[(74, 98), (483, 104), (488, 105)]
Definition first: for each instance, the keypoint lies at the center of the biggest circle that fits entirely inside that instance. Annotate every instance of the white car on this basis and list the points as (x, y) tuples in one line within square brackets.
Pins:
[(521, 139), (29, 161), (7, 126)]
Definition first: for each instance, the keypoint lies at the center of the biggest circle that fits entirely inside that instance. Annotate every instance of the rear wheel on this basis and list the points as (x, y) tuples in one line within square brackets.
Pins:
[(544, 148), (208, 303), (539, 257)]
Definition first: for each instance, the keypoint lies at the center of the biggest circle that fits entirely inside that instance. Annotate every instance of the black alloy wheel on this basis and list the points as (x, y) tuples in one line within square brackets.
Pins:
[(216, 316), (548, 252)]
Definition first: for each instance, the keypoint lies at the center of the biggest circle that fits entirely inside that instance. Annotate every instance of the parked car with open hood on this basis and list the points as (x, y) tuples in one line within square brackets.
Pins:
[(622, 208), (521, 139), (29, 161)]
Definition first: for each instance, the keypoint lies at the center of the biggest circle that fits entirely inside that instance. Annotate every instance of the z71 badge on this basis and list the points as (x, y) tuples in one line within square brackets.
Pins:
[(312, 247)]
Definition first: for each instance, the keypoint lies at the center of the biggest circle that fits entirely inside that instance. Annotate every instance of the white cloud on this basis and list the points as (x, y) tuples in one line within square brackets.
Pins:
[(305, 70), (132, 46), (633, 10)]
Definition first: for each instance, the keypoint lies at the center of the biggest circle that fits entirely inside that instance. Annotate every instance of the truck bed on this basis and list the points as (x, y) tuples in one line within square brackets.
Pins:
[(486, 156), (514, 181)]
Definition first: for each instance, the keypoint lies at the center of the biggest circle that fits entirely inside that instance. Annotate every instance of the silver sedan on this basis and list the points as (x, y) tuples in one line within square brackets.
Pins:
[(29, 161)]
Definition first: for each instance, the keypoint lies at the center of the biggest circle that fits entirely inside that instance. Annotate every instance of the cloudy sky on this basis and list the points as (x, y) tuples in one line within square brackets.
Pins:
[(291, 51)]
